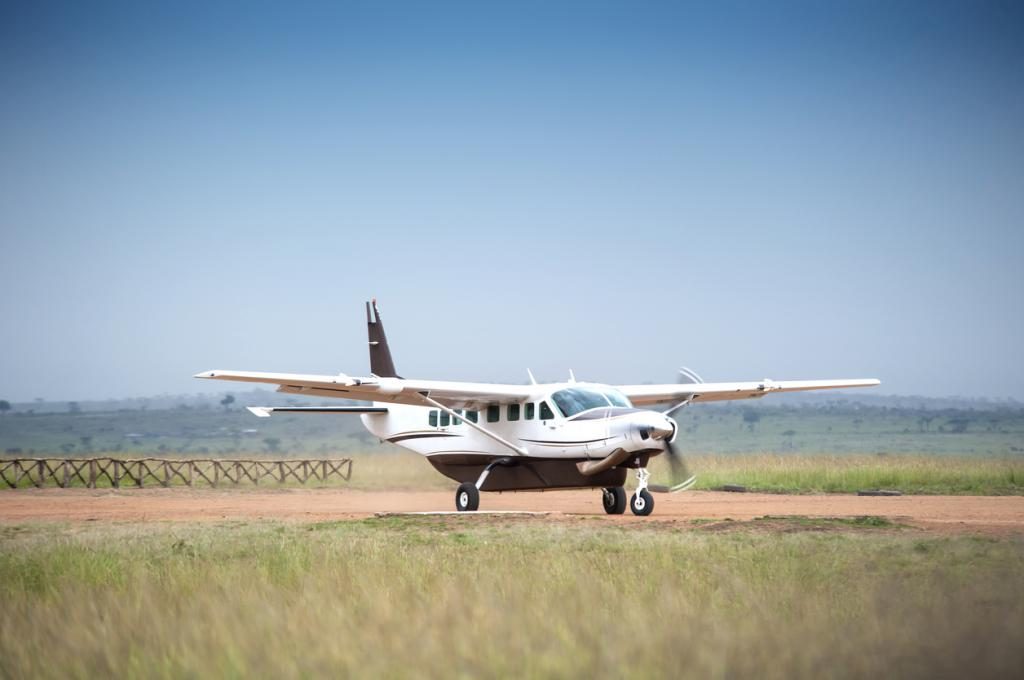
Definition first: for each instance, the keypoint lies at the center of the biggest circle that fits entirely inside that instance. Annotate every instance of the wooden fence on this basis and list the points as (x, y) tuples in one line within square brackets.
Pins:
[(137, 472)]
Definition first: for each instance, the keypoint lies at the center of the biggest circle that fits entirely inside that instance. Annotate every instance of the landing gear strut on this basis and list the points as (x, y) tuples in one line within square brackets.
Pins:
[(642, 502), (614, 499)]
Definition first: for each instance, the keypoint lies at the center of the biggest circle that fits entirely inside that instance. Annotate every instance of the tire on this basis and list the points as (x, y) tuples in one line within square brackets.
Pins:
[(642, 504), (467, 497), (614, 500)]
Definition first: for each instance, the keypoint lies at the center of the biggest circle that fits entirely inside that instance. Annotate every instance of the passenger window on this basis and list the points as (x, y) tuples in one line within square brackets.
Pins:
[(545, 411), (529, 411), (445, 419), (513, 411), (493, 413), (433, 419), (457, 421), (473, 416)]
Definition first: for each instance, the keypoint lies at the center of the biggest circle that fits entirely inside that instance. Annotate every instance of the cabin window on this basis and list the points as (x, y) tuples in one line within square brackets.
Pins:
[(472, 416), (545, 411), (445, 419), (432, 419), (513, 411), (493, 413), (529, 411), (457, 421)]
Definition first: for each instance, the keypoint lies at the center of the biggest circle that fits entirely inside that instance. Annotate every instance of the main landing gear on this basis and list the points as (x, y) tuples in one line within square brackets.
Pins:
[(467, 497), (614, 499)]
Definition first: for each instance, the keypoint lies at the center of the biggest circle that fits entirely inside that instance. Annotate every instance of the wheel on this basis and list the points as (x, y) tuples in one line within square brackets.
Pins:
[(614, 499), (467, 498), (642, 503)]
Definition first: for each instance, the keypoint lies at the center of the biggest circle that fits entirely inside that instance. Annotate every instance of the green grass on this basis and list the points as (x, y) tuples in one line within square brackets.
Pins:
[(427, 598), (979, 476)]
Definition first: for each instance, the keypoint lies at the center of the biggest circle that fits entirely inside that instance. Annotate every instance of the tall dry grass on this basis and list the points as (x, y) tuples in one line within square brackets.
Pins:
[(845, 473), (404, 598), (850, 473)]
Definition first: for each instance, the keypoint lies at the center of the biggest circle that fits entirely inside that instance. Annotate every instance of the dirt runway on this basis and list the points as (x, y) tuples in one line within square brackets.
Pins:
[(981, 514)]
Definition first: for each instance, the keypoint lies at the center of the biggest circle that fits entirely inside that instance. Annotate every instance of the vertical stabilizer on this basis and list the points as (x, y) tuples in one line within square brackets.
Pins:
[(381, 364)]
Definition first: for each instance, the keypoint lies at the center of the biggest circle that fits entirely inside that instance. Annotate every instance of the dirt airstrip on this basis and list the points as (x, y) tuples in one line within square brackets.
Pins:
[(954, 514)]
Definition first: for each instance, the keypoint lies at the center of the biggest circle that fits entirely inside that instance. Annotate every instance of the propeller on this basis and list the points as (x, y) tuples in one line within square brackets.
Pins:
[(679, 471)]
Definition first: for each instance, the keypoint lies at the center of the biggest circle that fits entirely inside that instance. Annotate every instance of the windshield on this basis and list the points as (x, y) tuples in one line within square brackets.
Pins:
[(575, 400)]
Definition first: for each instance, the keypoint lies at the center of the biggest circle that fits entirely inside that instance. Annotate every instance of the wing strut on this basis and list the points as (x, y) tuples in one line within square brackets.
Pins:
[(484, 431)]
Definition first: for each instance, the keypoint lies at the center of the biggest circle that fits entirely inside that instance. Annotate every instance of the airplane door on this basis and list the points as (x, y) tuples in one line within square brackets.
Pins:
[(602, 429)]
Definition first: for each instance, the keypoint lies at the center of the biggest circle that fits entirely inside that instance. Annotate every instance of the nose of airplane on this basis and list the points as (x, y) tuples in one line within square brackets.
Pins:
[(655, 426), (663, 428)]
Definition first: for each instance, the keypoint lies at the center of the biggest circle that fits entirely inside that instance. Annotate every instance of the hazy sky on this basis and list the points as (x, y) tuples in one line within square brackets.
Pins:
[(777, 189)]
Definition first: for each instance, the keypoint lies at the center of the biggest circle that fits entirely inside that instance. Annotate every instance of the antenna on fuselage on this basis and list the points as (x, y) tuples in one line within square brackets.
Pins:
[(572, 376), (533, 381)]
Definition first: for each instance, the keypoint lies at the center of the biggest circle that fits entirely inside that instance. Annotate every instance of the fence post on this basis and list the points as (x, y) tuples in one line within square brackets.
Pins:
[(64, 474), (92, 473), (117, 474)]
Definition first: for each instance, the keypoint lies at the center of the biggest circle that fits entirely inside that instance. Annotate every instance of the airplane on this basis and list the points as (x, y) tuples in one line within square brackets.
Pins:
[(500, 437)]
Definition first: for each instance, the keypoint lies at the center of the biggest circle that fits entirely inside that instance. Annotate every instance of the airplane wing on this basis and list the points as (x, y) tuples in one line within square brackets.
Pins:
[(642, 395), (395, 390)]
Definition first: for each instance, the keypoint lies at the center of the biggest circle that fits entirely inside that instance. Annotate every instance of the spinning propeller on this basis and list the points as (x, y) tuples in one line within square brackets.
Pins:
[(679, 471)]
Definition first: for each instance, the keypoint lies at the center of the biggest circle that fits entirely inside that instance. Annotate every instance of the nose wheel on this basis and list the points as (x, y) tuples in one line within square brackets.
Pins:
[(642, 502)]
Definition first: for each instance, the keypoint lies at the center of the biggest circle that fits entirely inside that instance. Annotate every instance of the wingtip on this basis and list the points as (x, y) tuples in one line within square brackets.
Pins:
[(206, 374)]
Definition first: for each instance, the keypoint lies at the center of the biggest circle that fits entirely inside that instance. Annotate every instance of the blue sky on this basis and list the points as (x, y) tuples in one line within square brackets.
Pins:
[(785, 190)]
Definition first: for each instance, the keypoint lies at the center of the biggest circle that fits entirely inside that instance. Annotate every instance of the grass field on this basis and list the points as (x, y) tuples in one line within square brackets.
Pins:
[(847, 473), (468, 598)]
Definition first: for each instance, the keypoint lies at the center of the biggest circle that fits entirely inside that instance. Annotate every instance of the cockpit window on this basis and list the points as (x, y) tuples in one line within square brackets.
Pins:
[(616, 398), (573, 400)]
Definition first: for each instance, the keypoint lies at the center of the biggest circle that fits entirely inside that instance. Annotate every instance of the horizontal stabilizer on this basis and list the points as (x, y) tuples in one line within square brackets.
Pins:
[(265, 411)]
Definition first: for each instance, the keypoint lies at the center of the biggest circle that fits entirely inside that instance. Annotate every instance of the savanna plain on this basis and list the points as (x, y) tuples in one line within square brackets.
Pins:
[(561, 595)]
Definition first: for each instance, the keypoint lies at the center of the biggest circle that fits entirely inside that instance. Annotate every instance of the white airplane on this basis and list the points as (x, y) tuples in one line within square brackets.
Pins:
[(492, 437)]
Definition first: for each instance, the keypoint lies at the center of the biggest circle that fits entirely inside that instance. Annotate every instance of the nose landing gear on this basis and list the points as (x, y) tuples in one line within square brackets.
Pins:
[(642, 502)]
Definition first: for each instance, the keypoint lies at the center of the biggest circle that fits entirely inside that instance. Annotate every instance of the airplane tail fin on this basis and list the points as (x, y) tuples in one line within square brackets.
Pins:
[(381, 364)]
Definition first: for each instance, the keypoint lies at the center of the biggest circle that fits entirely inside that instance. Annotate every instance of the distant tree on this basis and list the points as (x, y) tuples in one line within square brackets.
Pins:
[(751, 417), (73, 407), (273, 444), (959, 425), (227, 401), (5, 406), (86, 442)]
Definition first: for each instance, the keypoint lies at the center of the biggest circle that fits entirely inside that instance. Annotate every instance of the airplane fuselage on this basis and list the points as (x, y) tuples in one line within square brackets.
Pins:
[(549, 442)]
